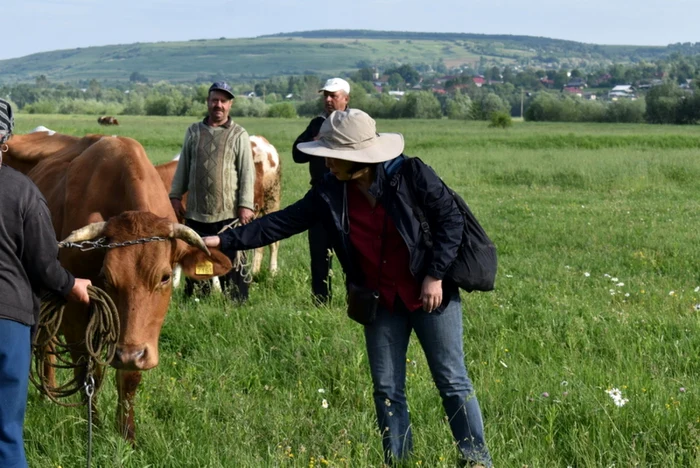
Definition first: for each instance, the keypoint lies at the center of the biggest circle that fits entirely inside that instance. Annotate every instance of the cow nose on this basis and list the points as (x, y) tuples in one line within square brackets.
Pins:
[(128, 357)]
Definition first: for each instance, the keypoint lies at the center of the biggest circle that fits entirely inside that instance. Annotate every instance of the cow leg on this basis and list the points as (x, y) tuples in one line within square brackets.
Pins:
[(257, 260), (274, 249), (127, 384)]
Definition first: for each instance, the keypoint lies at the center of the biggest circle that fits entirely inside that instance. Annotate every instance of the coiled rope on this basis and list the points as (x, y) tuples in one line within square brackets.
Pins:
[(52, 351), (242, 261)]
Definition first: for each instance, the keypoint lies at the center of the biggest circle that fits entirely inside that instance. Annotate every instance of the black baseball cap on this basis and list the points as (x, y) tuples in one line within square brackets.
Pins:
[(222, 86)]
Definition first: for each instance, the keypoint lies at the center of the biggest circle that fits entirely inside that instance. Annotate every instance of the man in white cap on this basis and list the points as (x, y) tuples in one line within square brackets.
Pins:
[(336, 94), (366, 207)]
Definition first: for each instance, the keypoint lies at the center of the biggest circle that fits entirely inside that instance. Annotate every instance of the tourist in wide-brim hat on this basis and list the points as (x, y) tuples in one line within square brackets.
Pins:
[(366, 205)]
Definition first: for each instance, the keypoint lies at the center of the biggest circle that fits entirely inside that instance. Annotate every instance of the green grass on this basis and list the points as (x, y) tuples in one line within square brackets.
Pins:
[(596, 227)]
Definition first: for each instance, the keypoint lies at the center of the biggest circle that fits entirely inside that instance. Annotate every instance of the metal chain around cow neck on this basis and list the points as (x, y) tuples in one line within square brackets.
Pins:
[(101, 243)]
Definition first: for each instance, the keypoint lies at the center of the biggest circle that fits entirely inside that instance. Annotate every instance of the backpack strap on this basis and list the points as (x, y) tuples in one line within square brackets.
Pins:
[(392, 166), (409, 178)]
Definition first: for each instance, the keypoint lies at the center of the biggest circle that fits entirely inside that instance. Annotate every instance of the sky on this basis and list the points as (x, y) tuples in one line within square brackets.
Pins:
[(31, 26)]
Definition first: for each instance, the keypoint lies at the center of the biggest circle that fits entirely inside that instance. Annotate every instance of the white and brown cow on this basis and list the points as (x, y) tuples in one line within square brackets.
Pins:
[(268, 187)]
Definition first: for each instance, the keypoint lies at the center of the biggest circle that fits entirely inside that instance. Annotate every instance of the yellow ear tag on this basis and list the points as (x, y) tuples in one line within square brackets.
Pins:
[(205, 268)]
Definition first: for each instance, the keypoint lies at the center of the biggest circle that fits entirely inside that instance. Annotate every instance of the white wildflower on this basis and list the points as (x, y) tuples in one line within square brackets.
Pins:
[(621, 402), (697, 289), (672, 293), (606, 275), (321, 390), (616, 396), (586, 274), (324, 404), (619, 285), (614, 279)]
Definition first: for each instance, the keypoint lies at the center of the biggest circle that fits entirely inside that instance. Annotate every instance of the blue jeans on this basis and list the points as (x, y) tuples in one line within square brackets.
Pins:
[(15, 352), (440, 336)]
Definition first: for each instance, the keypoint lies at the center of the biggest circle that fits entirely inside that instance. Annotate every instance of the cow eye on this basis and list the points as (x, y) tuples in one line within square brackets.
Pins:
[(165, 279)]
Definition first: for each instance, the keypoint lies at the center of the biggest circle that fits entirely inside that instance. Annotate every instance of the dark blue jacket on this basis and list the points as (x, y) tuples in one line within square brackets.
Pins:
[(317, 166), (324, 202)]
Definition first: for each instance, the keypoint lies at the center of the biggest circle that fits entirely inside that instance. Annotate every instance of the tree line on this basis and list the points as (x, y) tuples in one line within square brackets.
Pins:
[(424, 92)]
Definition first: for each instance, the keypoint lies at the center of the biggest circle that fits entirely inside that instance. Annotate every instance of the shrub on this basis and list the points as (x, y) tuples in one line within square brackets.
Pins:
[(626, 111), (89, 107), (44, 106), (252, 107), (419, 105), (195, 109), (487, 105), (310, 108), (459, 107), (501, 120), (160, 105), (284, 110), (136, 105), (559, 108)]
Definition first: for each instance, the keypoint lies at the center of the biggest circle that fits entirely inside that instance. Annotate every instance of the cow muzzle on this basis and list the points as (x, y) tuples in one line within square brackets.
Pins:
[(136, 358)]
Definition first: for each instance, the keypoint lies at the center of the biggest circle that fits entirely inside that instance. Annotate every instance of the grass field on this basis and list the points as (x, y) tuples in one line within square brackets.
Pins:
[(598, 288)]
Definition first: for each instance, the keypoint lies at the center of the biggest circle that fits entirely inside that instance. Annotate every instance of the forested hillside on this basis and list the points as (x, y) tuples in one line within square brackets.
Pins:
[(318, 52)]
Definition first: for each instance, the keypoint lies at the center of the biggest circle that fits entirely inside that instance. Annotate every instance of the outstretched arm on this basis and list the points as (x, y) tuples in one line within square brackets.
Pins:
[(273, 227)]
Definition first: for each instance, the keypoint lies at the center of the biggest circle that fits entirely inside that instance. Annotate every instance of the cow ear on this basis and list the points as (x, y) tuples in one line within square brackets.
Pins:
[(200, 266)]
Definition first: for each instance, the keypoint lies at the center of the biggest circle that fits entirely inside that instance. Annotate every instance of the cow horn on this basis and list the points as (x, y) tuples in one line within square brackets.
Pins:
[(180, 231), (89, 232)]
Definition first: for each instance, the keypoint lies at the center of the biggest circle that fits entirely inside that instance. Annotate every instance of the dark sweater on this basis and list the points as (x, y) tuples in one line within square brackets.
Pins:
[(317, 166), (28, 249)]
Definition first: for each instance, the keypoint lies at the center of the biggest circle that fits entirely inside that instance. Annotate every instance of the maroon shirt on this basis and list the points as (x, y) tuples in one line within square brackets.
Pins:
[(366, 226)]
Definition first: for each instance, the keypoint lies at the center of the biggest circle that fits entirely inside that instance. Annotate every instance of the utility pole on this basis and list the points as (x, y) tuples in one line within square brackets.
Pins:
[(522, 100)]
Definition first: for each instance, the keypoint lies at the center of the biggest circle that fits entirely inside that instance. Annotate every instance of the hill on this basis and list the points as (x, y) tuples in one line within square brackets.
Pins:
[(322, 52)]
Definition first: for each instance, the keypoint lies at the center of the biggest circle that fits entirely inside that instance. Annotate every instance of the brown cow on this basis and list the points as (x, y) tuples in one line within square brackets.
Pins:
[(107, 120), (268, 173), (106, 187)]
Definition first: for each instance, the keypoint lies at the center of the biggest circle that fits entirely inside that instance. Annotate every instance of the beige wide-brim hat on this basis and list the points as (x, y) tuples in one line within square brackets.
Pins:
[(352, 136)]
